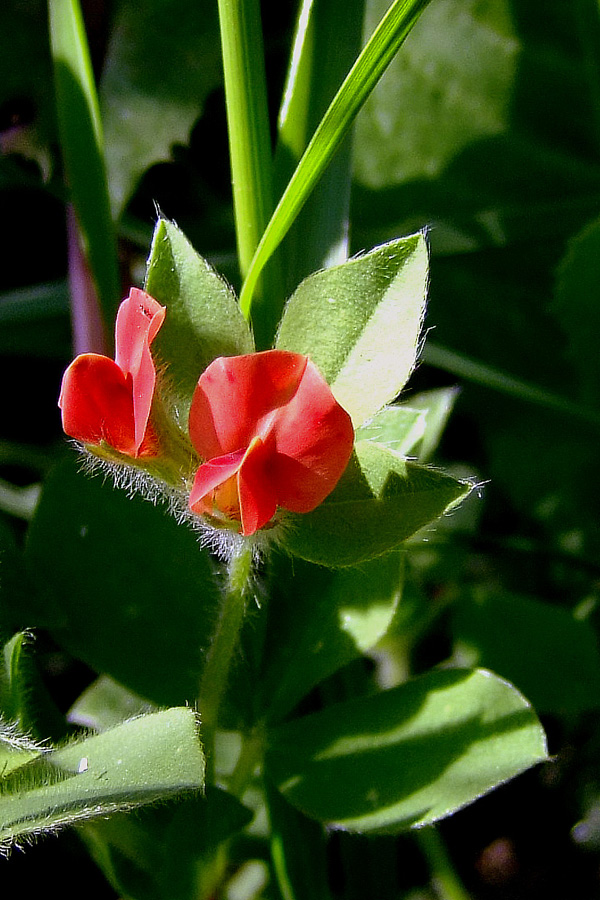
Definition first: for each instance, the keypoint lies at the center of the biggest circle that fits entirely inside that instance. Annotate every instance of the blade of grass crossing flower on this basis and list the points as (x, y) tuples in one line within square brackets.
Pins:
[(319, 237), (247, 123), (360, 81), (82, 147)]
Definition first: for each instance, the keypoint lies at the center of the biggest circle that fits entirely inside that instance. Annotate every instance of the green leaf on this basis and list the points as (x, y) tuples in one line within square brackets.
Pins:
[(82, 147), (542, 649), (408, 756), (320, 620), (399, 428), (361, 322), (379, 502), (104, 704), (203, 320), (121, 585), (13, 690), (456, 133), (333, 127), (141, 761), (156, 77), (436, 407)]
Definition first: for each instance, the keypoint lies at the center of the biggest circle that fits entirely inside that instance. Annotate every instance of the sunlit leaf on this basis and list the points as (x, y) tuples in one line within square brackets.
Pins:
[(361, 323), (203, 319), (141, 761), (408, 756), (380, 501)]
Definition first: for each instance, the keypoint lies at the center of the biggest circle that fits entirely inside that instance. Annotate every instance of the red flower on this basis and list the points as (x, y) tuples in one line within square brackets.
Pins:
[(272, 434), (106, 401)]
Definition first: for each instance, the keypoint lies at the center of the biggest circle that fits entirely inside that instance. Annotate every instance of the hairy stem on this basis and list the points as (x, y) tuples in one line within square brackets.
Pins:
[(215, 676)]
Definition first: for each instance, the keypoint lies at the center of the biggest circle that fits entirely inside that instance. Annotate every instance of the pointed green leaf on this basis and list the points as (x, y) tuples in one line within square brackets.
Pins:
[(104, 704), (203, 319), (436, 407), (399, 428), (408, 756), (12, 686), (379, 502), (320, 620), (138, 762), (360, 323)]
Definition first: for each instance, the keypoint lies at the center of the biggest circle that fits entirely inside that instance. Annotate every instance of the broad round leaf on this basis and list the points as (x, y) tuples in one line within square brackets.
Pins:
[(121, 585), (408, 756)]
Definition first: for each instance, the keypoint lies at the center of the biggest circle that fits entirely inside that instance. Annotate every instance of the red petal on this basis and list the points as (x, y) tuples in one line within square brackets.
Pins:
[(96, 403), (138, 321), (211, 476), (313, 438), (236, 396), (237, 485), (258, 501)]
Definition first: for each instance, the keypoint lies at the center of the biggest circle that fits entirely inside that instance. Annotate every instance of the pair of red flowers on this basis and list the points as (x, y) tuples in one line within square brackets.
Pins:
[(266, 425)]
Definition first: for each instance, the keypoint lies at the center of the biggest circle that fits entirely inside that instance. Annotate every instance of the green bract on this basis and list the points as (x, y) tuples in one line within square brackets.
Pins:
[(379, 502), (360, 323), (203, 318)]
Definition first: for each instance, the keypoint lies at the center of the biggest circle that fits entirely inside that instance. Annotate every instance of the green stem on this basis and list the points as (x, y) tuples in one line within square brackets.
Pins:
[(250, 757), (444, 877), (215, 676), (247, 123), (480, 373)]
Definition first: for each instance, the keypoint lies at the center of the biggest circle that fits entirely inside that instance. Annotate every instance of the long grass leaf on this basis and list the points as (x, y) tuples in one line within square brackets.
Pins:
[(82, 147), (360, 81)]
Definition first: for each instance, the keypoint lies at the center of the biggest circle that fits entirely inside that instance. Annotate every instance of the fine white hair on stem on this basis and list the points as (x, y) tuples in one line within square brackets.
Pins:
[(222, 542)]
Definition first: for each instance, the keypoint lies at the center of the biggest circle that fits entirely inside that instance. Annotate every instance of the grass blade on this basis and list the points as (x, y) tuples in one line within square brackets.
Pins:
[(360, 81), (82, 147)]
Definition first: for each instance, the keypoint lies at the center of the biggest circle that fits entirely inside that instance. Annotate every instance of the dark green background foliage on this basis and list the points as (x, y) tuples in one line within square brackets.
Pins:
[(485, 131)]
